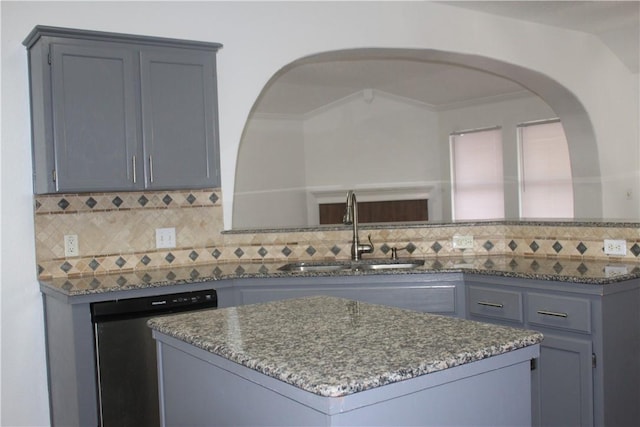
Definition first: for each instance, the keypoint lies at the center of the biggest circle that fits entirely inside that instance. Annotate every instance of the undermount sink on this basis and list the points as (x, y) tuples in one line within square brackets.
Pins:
[(306, 266), (396, 264), (327, 266)]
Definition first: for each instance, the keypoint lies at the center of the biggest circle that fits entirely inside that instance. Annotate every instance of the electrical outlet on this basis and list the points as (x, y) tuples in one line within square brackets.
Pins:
[(615, 247), (463, 242), (615, 270), (165, 238), (71, 247)]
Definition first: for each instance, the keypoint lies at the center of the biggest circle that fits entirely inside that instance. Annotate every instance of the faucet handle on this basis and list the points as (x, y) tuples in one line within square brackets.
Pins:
[(366, 248), (394, 251)]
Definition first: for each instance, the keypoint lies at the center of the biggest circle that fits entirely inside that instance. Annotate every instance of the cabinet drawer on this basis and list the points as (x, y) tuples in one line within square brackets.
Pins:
[(497, 304), (559, 312)]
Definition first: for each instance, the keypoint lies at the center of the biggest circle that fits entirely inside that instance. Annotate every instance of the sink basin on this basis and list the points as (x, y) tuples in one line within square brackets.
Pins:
[(395, 264), (312, 266), (369, 264)]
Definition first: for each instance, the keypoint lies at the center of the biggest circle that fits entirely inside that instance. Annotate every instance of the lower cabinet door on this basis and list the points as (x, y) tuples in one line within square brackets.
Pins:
[(562, 383)]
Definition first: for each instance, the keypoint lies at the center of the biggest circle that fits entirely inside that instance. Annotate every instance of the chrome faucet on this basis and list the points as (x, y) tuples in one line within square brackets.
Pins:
[(351, 217)]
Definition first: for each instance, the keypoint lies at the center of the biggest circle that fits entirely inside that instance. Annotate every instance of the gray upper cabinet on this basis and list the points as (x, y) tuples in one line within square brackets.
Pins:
[(179, 117), (113, 112), (95, 131)]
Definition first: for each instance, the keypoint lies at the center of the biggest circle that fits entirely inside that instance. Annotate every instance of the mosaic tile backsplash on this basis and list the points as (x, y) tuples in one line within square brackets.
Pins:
[(116, 233)]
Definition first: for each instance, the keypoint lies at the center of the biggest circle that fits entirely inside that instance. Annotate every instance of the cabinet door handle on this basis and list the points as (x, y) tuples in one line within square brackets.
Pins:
[(552, 313), (490, 304), (133, 167), (150, 169)]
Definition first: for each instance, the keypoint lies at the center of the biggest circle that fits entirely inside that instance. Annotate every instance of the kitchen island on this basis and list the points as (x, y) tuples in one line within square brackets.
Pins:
[(332, 361)]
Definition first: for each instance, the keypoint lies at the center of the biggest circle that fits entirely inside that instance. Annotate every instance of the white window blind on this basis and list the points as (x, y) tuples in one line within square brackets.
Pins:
[(546, 185), (477, 174)]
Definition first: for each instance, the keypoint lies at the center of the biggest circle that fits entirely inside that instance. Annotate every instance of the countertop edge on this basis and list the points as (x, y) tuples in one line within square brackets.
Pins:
[(500, 340), (64, 287)]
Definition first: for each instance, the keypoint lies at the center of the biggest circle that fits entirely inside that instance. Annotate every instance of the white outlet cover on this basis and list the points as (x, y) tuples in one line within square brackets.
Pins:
[(71, 247), (165, 238), (615, 247), (463, 242)]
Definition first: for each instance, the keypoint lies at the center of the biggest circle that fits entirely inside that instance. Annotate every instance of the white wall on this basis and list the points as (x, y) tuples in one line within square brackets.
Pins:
[(348, 145), (271, 183), (259, 39), (342, 146)]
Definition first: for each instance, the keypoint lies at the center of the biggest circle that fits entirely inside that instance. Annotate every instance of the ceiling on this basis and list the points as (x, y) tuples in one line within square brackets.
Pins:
[(616, 23), (309, 86)]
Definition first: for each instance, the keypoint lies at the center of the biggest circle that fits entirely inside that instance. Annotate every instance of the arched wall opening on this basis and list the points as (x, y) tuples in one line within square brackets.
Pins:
[(565, 105)]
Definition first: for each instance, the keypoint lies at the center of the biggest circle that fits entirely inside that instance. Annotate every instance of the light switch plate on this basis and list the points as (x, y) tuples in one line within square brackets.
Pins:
[(165, 238)]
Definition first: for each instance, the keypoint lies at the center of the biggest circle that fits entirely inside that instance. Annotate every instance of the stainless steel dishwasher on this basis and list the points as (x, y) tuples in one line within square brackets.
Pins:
[(126, 354)]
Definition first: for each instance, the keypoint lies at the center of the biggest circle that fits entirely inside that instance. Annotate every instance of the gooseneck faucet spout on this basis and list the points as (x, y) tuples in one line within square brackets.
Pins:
[(351, 218)]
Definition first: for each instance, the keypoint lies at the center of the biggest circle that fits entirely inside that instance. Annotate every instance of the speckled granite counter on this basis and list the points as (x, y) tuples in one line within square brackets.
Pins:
[(334, 347), (561, 270), (332, 361)]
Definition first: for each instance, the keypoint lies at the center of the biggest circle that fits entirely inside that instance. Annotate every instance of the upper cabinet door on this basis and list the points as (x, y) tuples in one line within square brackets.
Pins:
[(94, 117), (179, 117)]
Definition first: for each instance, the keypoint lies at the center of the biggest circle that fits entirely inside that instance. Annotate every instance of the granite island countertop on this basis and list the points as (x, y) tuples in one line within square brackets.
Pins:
[(335, 347), (589, 272)]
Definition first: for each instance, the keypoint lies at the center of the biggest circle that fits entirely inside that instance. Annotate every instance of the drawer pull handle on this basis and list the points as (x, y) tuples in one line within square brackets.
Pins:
[(552, 313), (490, 304)]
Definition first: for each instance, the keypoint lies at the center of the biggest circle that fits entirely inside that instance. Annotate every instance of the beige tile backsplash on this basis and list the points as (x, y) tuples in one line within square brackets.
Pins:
[(116, 233)]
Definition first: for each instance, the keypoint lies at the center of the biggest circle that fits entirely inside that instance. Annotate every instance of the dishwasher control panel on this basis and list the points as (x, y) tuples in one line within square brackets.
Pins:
[(158, 304)]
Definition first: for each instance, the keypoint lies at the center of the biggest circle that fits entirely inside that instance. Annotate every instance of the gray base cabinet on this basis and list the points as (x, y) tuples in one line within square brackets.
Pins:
[(588, 372), (199, 388), (433, 293), (563, 382), (73, 389), (71, 352), (112, 112)]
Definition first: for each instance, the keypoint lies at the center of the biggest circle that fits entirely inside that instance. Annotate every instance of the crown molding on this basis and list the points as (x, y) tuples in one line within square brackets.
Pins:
[(369, 95)]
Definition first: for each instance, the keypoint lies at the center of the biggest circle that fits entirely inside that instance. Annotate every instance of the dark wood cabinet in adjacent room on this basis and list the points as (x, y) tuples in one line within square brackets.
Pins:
[(378, 211)]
